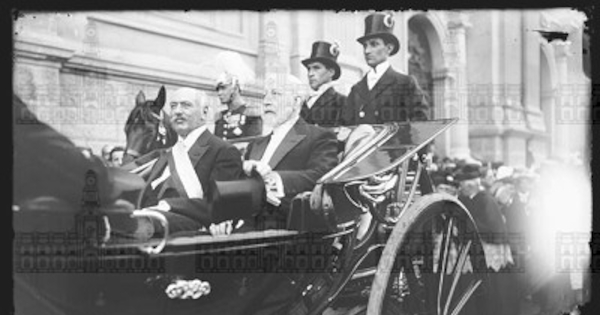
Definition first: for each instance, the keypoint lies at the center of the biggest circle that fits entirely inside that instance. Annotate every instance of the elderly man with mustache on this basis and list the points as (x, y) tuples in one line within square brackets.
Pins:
[(180, 181)]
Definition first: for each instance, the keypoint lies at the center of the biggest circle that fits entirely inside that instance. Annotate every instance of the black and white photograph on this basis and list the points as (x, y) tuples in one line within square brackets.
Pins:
[(287, 161)]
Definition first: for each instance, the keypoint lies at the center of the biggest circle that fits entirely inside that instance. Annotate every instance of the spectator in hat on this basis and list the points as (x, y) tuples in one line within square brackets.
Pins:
[(324, 105), (237, 121), (485, 209), (383, 94), (492, 228), (444, 182)]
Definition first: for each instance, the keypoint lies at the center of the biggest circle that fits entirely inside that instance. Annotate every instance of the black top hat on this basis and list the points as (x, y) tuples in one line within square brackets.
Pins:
[(468, 171), (237, 199), (380, 25), (327, 54)]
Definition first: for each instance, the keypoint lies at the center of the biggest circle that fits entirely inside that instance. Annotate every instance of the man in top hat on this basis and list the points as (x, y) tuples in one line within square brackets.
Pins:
[(383, 94), (324, 105), (236, 121)]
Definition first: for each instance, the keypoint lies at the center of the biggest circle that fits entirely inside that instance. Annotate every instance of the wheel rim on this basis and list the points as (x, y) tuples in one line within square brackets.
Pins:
[(435, 267)]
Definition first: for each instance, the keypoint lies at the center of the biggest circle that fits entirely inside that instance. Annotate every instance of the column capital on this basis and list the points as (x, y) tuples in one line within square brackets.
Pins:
[(440, 74), (458, 21), (561, 49)]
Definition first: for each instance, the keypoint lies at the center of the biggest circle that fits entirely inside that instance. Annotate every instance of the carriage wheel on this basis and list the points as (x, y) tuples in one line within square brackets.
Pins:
[(433, 263)]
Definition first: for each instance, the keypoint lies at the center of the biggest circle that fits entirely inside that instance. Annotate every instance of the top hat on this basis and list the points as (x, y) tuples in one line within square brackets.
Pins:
[(380, 25), (237, 199), (468, 171), (327, 54)]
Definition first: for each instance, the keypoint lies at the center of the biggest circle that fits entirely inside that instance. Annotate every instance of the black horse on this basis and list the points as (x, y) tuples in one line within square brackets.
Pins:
[(147, 130)]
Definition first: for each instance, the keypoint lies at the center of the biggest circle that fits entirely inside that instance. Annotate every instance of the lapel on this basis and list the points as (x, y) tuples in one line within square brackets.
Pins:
[(199, 148), (159, 166), (362, 89), (258, 148), (325, 98), (385, 80), (293, 137)]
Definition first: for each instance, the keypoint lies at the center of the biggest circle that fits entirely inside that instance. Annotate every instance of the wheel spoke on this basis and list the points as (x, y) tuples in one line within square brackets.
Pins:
[(458, 268), (442, 269), (465, 297)]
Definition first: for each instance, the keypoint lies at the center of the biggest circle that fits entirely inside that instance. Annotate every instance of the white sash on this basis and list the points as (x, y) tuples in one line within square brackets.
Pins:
[(186, 171)]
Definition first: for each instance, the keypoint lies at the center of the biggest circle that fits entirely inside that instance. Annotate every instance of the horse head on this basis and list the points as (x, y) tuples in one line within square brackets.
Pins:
[(147, 127)]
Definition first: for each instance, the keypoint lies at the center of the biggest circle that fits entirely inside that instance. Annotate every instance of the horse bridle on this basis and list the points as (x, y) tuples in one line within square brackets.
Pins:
[(159, 134)]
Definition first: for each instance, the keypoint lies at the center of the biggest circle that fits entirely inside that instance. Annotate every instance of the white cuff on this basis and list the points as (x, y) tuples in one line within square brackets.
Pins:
[(163, 206), (276, 185)]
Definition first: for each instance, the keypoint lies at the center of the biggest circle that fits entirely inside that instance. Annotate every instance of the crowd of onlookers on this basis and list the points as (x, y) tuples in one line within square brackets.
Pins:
[(524, 199)]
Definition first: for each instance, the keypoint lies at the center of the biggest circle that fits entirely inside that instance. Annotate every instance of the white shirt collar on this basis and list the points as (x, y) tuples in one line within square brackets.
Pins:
[(380, 69), (375, 74), (192, 137), (314, 95), (279, 133), (322, 88)]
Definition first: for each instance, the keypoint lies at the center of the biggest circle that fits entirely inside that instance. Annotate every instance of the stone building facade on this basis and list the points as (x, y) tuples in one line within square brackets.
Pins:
[(516, 95)]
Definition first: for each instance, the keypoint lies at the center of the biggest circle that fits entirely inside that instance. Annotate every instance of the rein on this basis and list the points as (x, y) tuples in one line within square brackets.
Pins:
[(158, 137)]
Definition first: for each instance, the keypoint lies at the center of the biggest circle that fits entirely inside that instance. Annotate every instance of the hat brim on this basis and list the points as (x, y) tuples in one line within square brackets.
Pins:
[(466, 176), (386, 36), (327, 62)]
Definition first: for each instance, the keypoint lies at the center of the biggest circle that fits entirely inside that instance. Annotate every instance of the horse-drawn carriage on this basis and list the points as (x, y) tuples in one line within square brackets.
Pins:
[(373, 231)]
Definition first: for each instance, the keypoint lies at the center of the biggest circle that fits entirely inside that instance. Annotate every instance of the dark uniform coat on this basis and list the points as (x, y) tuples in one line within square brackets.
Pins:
[(238, 124), (395, 97), (327, 109)]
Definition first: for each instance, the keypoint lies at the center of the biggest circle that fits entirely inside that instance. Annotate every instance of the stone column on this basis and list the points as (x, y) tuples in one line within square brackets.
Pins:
[(38, 56), (565, 107), (455, 97), (272, 55)]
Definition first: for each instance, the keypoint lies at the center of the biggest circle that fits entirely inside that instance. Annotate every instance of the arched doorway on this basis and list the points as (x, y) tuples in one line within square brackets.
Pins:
[(426, 64), (419, 62)]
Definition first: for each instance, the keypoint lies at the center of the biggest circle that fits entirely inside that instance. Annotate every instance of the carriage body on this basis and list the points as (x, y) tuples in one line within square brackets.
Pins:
[(344, 240)]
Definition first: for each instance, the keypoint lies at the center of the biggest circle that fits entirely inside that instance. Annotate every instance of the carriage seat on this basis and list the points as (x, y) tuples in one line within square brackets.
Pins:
[(242, 199), (326, 217)]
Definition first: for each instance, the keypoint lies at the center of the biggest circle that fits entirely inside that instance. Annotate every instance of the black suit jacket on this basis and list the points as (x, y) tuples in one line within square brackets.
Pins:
[(213, 159), (306, 153), (327, 109), (395, 97), (487, 216)]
